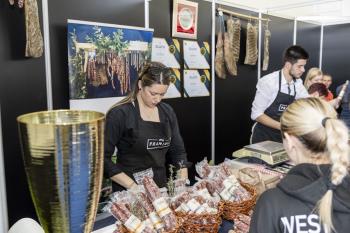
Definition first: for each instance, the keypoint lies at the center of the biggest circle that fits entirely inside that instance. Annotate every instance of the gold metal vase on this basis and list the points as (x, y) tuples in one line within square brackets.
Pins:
[(63, 158)]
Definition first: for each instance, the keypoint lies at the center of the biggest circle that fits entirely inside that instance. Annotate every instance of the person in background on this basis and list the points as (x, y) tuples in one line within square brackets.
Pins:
[(318, 90), (314, 75), (274, 92), (327, 80), (314, 196), (345, 105), (144, 131)]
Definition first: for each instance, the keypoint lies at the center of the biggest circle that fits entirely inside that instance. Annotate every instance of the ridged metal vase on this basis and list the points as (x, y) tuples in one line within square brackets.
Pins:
[(63, 158)]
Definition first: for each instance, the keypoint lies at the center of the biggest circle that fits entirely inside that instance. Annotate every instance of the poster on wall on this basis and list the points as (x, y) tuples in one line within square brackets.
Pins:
[(174, 90), (166, 51), (196, 83), (196, 54), (104, 61), (185, 19)]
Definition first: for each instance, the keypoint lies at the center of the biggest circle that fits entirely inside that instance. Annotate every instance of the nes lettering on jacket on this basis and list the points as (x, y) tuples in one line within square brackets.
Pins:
[(158, 143), (282, 107), (302, 224)]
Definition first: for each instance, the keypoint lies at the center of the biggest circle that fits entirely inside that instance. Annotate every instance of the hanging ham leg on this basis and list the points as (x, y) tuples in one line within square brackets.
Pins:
[(219, 57), (266, 50), (251, 45)]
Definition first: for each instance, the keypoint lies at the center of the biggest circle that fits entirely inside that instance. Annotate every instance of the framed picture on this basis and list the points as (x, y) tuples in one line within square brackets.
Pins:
[(185, 19)]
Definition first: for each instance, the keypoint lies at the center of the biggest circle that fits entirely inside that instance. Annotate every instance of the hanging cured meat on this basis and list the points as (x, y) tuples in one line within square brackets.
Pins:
[(266, 49), (219, 57), (228, 55), (20, 3), (251, 45), (230, 60), (236, 38), (34, 45)]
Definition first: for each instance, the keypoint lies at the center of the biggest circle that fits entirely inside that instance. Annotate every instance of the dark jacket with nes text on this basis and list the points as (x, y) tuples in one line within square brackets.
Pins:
[(290, 207)]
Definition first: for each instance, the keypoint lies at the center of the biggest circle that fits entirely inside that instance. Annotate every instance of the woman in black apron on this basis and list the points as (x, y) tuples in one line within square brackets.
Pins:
[(144, 131), (261, 132)]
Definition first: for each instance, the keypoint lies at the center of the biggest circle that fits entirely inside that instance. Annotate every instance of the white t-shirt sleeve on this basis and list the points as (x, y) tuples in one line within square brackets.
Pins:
[(264, 94), (301, 90)]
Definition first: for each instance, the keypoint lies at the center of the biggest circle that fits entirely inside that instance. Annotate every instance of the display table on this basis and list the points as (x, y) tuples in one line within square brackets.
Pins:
[(105, 224)]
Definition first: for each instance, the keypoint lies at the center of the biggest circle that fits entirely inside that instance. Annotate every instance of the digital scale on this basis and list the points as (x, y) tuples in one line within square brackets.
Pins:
[(271, 153)]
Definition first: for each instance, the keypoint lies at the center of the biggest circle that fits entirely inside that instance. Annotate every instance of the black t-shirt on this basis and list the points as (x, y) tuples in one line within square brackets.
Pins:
[(121, 121)]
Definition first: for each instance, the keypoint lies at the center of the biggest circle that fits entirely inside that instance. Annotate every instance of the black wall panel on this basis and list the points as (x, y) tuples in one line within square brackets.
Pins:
[(281, 38), (22, 90), (234, 95), (233, 98), (335, 59), (194, 114), (308, 36), (124, 12)]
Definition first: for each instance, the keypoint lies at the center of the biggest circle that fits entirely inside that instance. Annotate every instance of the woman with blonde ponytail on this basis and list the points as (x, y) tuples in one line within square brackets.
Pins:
[(144, 131), (315, 194)]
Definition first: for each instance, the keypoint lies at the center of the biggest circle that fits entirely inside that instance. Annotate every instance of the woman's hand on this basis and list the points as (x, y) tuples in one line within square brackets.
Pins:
[(183, 173), (124, 180)]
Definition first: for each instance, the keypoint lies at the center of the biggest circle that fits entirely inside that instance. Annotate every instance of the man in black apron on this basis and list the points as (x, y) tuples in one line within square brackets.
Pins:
[(275, 92)]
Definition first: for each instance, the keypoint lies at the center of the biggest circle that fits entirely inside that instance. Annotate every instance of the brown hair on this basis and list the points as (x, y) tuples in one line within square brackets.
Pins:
[(151, 73), (318, 87), (314, 122)]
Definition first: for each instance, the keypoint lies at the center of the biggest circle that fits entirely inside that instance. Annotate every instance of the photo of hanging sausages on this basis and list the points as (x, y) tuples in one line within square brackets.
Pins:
[(104, 61), (251, 56)]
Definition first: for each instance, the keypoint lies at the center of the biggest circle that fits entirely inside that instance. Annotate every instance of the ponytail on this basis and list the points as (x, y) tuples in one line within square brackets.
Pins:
[(314, 122), (337, 144)]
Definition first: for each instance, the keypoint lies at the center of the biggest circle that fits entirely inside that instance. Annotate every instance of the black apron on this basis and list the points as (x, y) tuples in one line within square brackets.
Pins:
[(263, 133), (151, 141)]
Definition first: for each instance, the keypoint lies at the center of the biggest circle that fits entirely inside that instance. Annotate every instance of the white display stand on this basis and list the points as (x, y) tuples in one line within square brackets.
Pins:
[(3, 203)]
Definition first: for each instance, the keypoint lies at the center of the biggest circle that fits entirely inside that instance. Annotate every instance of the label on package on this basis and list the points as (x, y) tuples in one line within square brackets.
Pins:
[(161, 207), (193, 205), (204, 193), (134, 224), (156, 221), (225, 194)]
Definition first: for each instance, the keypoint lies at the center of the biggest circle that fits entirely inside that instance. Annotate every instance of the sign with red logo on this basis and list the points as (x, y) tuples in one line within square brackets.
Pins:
[(185, 17)]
